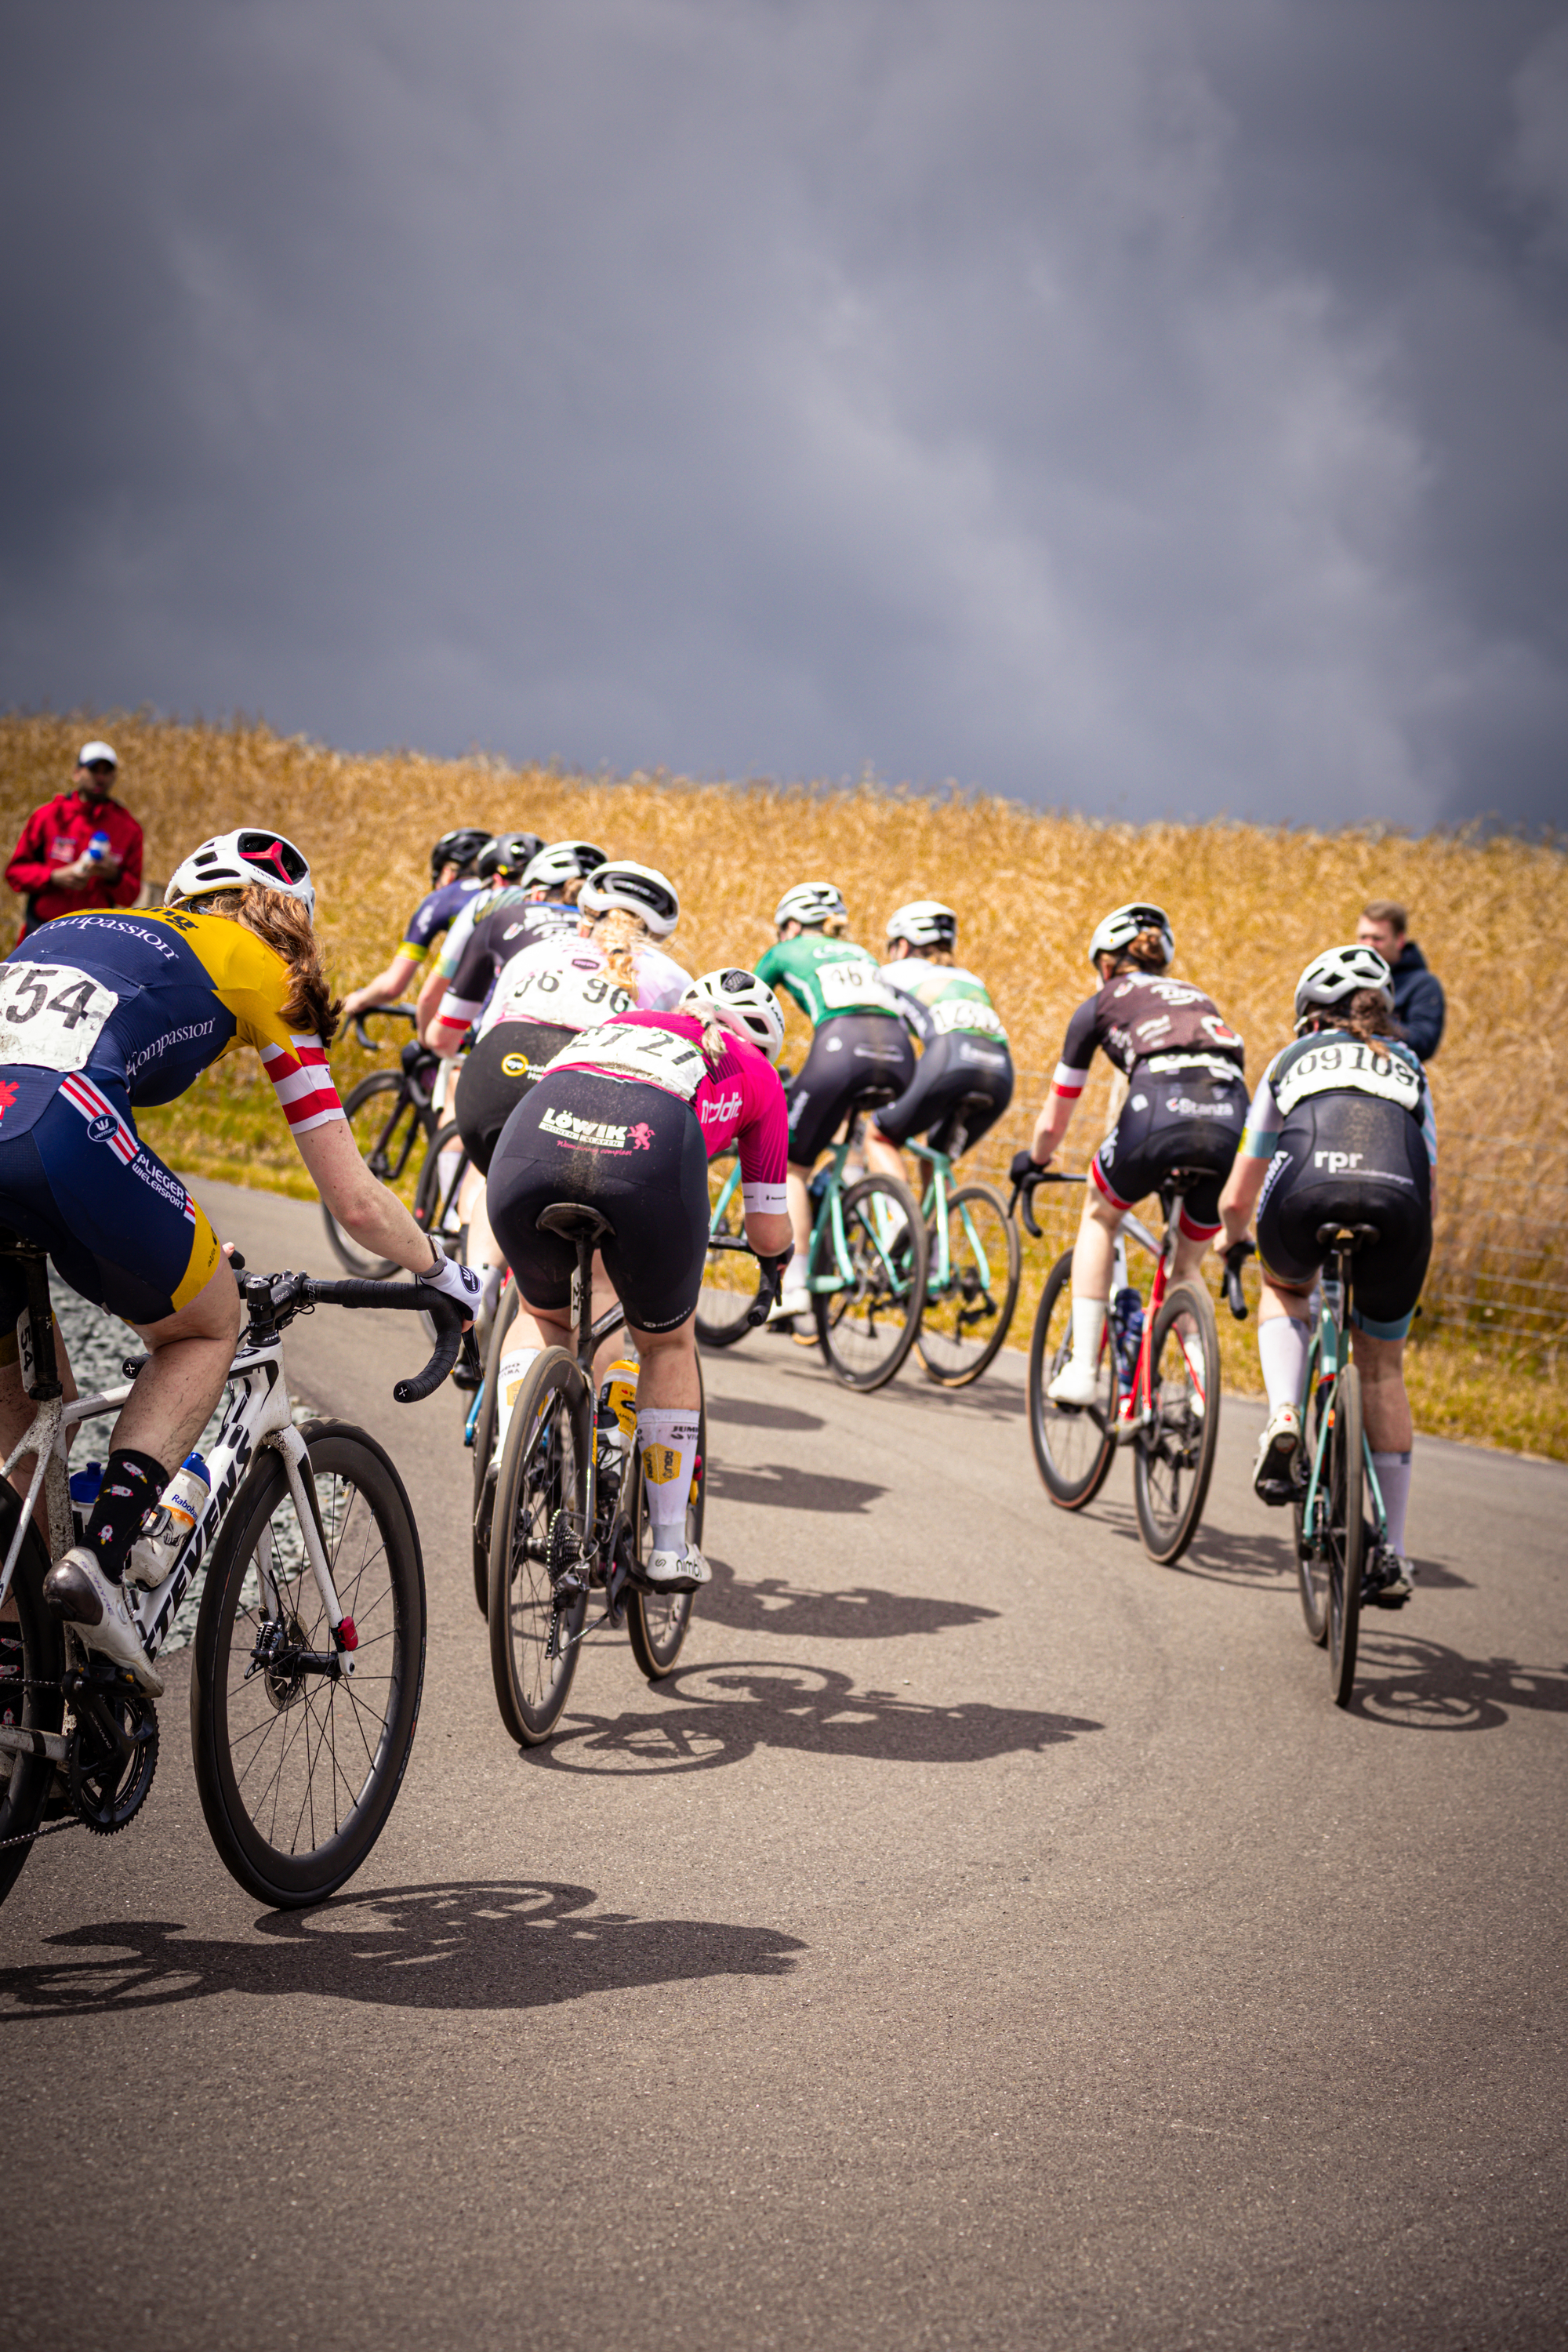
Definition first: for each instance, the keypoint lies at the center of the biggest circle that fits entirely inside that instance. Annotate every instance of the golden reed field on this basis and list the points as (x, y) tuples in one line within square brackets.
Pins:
[(1249, 905)]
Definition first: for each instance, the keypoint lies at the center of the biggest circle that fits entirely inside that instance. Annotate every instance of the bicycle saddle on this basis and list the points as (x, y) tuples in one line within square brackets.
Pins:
[(574, 1222), (1347, 1237)]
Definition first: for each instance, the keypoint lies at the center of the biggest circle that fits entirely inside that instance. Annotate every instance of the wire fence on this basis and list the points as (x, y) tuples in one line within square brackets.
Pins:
[(1500, 1264)]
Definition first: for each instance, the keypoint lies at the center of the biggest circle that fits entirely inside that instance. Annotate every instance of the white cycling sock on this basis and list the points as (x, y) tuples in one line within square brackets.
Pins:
[(1087, 1330), (796, 1272), (667, 1440), (1282, 1345), (1393, 1481)]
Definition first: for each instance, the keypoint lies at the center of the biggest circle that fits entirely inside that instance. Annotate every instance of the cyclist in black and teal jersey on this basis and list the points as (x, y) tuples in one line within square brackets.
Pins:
[(965, 1081), (453, 881), (860, 1053), (527, 898)]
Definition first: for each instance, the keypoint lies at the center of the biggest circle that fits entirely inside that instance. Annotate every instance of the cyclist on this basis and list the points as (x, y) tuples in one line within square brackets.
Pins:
[(608, 963), (626, 1117), (965, 1081), (536, 899), (1186, 1106), (1341, 1132), (861, 1051), (453, 881), (102, 1012)]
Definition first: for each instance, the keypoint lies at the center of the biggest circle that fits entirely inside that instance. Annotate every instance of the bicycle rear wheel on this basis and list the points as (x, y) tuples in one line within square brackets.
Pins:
[(1073, 1443), (436, 1198), (544, 1471), (31, 1651), (1346, 1534), (868, 1327), (657, 1623), (485, 1465), (1173, 1455), (962, 1329), (298, 1770), (732, 1276), (386, 1124)]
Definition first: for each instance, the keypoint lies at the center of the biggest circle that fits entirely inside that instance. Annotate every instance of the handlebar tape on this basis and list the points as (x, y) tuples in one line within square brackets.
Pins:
[(443, 1311)]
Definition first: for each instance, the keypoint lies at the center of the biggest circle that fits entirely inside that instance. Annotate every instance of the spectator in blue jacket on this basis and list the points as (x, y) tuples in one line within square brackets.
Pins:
[(1417, 994)]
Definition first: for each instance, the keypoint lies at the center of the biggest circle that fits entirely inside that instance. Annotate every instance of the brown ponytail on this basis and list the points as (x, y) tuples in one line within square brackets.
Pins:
[(1145, 949), (1363, 1016), (281, 923), (617, 934)]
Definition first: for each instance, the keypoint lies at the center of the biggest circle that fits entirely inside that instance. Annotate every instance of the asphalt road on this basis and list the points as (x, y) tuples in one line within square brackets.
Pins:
[(986, 1939)]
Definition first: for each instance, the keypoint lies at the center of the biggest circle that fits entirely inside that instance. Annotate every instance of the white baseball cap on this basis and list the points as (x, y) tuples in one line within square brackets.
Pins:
[(91, 752)]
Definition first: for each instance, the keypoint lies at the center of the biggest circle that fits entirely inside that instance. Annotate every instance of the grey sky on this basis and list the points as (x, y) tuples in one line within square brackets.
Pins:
[(1145, 405)]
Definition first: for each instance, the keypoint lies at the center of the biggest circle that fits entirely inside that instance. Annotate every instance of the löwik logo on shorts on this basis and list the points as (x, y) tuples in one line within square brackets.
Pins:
[(597, 1133)]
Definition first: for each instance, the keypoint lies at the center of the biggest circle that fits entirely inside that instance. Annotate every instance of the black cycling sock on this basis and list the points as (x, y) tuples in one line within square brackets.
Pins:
[(132, 1483)]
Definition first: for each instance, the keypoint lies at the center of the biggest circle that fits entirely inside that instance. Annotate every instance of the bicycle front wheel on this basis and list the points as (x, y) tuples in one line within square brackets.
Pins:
[(386, 1124), (732, 1275), (486, 1460), (440, 1182), (1073, 1443), (543, 1472), (1173, 1455), (298, 1769), (1346, 1534), (867, 1325), (31, 1653), (657, 1623), (962, 1328)]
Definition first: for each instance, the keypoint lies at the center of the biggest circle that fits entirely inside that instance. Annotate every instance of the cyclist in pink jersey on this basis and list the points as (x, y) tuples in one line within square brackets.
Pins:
[(625, 1119)]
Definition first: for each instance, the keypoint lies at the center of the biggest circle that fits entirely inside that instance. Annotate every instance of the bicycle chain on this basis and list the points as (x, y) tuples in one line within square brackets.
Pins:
[(73, 1820)]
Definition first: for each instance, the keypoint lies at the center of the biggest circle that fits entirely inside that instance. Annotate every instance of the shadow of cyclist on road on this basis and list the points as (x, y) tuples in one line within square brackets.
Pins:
[(1419, 1685), (863, 1614)]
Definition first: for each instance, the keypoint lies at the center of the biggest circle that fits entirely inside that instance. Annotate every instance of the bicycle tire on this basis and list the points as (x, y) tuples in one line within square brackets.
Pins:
[(1347, 1534), (433, 1210), (390, 1146), (1180, 1445), (657, 1624), (720, 1312), (31, 1650), (328, 1733), (890, 1270), (1311, 1555), (941, 1350), (543, 1470), (485, 1469), (1073, 1446)]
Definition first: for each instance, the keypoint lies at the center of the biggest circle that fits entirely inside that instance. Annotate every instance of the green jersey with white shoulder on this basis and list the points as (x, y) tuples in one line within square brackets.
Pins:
[(938, 998), (825, 977)]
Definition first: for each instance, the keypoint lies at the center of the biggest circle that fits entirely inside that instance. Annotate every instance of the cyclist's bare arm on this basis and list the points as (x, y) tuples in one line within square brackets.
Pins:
[(1056, 1113), (375, 1218), (1239, 1198), (768, 1235), (385, 989), (432, 990)]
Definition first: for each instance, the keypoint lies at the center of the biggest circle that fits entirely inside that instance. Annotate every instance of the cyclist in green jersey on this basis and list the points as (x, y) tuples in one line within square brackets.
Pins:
[(860, 1053), (965, 1081)]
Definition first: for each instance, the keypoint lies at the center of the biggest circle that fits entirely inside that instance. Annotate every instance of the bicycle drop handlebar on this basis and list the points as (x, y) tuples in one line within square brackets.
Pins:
[(1235, 1257), (397, 1012), (275, 1299), (761, 1306), (1024, 1192)]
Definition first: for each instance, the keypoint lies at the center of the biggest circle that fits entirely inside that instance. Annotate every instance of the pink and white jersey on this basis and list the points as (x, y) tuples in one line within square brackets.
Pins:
[(739, 1102), (567, 983)]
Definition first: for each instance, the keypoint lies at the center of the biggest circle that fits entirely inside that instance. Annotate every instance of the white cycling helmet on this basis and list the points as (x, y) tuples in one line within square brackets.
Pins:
[(1121, 926), (1340, 973), (809, 904), (744, 1003), (640, 889), (925, 923), (251, 854), (561, 862)]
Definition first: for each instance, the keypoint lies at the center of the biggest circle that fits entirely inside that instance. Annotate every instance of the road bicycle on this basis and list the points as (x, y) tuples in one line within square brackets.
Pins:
[(1338, 1480), (390, 1114), (866, 1271), (569, 1514), (971, 1278), (309, 1655), (1159, 1381)]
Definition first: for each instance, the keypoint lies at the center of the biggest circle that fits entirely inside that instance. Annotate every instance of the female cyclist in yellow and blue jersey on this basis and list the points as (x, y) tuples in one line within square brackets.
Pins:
[(99, 1013)]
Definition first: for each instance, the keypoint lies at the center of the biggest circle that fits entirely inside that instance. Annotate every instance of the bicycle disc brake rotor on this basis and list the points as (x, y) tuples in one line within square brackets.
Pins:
[(109, 1790), (275, 1655)]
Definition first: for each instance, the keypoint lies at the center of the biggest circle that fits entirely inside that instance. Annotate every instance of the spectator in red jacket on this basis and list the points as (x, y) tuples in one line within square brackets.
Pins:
[(54, 863)]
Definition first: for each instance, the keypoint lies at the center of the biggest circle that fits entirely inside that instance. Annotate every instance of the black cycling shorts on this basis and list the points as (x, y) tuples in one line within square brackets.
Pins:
[(1352, 1159), (500, 1071), (962, 1087), (857, 1061), (636, 1154), (1174, 1118)]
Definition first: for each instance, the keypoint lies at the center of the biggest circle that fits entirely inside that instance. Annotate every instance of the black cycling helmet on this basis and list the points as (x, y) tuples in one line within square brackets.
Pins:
[(507, 858), (460, 848)]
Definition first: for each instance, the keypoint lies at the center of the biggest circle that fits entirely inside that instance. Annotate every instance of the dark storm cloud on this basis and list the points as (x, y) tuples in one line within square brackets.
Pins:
[(1141, 406)]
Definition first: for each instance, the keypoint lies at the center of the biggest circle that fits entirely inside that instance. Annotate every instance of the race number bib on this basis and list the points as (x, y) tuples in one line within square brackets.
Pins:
[(1350, 1066), (848, 985), (661, 1057), (51, 1013), (565, 995), (967, 1012)]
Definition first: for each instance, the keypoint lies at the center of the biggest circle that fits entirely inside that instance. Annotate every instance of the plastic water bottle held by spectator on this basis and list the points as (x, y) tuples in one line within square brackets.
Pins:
[(98, 848), (179, 1507)]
